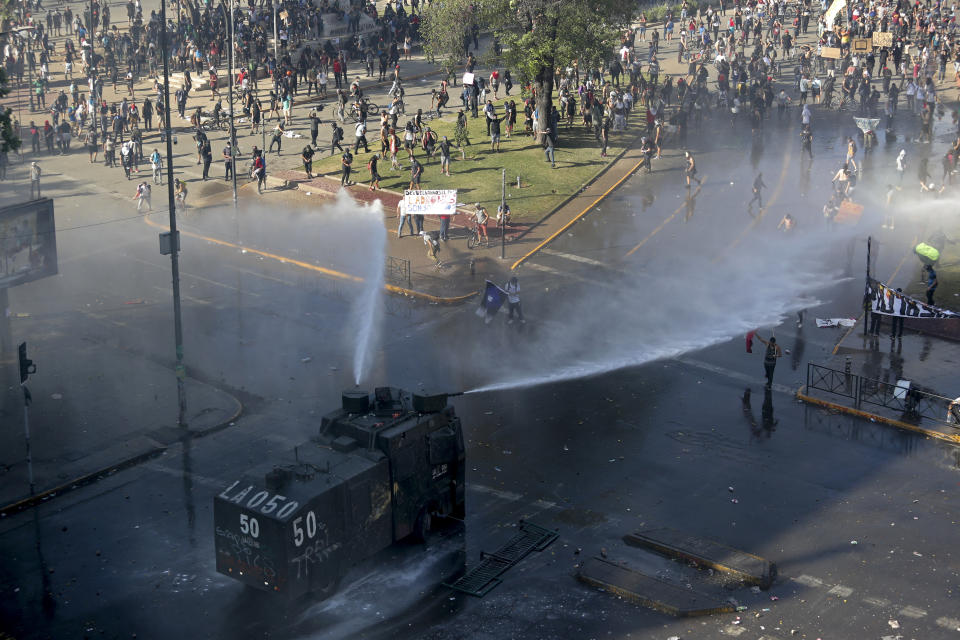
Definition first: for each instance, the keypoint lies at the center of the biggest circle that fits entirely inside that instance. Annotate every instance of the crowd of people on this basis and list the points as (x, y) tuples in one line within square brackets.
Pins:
[(741, 62), (305, 53)]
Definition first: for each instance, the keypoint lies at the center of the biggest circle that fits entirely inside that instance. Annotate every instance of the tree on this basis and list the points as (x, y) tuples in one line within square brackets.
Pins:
[(445, 28), (537, 35)]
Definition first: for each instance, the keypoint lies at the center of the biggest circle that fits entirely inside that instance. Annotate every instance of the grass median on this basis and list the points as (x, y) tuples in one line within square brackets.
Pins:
[(477, 174)]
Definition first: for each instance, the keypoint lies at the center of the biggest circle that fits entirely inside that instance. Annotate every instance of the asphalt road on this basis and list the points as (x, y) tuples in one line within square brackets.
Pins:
[(621, 403), (646, 439)]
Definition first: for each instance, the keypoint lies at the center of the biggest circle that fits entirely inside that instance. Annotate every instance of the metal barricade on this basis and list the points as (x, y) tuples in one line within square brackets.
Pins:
[(833, 381), (398, 271), (910, 401)]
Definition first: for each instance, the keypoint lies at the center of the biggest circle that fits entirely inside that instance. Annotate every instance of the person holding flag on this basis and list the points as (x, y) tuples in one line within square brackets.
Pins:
[(491, 301)]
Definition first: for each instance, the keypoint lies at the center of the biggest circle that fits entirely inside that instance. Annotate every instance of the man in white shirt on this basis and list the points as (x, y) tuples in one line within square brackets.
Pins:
[(513, 300)]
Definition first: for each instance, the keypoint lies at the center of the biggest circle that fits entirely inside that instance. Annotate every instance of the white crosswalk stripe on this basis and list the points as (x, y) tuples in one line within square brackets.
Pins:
[(808, 581), (570, 276), (949, 623), (573, 257), (841, 591)]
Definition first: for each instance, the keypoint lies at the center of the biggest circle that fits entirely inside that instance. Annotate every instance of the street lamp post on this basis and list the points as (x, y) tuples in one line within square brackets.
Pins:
[(503, 214), (181, 373), (233, 132), (275, 58)]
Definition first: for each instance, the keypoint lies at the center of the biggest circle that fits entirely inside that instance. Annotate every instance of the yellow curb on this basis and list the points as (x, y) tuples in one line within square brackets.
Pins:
[(577, 217), (330, 273), (946, 437)]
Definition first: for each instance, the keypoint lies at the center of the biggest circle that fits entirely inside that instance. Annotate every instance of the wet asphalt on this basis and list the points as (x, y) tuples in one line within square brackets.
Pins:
[(651, 415)]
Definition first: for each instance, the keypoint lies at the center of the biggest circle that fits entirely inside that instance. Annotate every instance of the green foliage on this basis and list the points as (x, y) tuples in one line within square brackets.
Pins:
[(657, 12), (534, 33), (8, 9), (8, 140), (444, 27), (557, 33)]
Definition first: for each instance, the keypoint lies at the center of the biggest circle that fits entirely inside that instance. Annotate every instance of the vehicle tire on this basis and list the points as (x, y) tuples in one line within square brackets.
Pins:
[(473, 240), (423, 525), (372, 107)]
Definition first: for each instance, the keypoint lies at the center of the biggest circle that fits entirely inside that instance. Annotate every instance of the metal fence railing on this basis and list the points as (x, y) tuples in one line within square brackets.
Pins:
[(398, 271), (910, 400), (832, 381)]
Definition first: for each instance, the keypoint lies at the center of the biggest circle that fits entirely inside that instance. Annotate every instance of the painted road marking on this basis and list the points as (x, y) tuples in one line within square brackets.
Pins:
[(949, 623), (733, 630), (577, 217), (665, 222), (339, 275), (575, 258), (840, 591), (262, 275), (196, 277), (808, 581), (169, 292), (876, 602), (508, 495), (570, 276), (736, 375), (763, 210), (913, 612)]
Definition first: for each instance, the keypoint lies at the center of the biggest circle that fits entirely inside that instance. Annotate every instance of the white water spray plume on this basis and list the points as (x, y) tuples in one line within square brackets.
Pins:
[(671, 306)]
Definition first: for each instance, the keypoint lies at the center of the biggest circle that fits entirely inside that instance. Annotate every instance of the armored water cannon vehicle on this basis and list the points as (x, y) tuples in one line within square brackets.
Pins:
[(380, 469)]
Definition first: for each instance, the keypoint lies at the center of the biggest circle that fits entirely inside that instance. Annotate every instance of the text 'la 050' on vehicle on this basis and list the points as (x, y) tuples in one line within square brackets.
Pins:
[(379, 470)]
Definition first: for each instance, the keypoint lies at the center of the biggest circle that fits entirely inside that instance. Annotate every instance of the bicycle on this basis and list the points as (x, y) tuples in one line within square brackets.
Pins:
[(474, 241), (372, 109)]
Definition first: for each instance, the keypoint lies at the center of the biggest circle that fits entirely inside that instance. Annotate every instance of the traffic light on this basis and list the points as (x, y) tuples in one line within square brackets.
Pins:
[(26, 365)]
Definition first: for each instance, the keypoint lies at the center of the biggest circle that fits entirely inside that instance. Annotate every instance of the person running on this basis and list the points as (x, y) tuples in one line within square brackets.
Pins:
[(770, 356), (758, 186), (691, 169), (337, 138)]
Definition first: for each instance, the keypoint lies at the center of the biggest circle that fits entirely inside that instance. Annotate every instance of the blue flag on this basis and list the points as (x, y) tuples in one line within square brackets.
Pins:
[(493, 299)]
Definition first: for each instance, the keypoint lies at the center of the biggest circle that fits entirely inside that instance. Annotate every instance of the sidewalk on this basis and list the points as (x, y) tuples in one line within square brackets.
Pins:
[(80, 431), (927, 361)]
